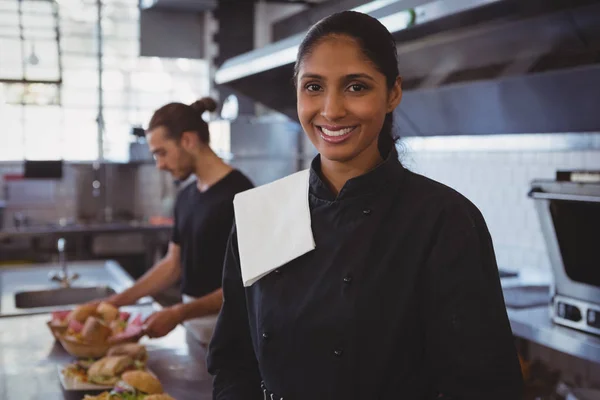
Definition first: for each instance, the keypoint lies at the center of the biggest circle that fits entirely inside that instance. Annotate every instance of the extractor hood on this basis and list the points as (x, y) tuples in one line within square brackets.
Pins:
[(468, 66)]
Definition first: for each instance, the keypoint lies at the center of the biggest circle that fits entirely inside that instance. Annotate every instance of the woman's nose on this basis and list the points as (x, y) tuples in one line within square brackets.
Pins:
[(333, 107)]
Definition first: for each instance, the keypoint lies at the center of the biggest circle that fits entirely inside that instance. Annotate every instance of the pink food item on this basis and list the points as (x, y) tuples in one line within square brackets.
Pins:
[(124, 316), (60, 315), (131, 332), (137, 321), (75, 326)]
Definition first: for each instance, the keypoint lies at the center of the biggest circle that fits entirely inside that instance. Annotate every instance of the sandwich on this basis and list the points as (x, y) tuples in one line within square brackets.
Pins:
[(136, 351), (107, 312), (109, 396), (119, 324), (140, 383), (81, 313), (134, 385), (108, 370), (95, 331), (73, 330), (78, 370)]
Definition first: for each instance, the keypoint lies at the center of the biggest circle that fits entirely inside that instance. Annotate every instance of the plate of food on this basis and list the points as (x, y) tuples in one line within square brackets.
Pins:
[(89, 331), (102, 374), (134, 385)]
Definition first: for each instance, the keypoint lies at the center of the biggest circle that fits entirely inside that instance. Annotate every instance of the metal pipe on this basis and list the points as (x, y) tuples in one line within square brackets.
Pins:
[(100, 119)]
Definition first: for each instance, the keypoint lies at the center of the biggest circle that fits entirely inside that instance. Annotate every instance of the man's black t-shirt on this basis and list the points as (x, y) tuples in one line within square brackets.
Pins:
[(203, 221)]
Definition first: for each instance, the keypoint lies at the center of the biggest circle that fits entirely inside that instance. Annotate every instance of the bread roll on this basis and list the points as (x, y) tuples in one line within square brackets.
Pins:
[(95, 331), (143, 381), (107, 370), (107, 311), (163, 396), (133, 350), (81, 313)]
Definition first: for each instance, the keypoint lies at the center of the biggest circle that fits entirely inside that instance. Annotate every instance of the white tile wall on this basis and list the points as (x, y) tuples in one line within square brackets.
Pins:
[(497, 183)]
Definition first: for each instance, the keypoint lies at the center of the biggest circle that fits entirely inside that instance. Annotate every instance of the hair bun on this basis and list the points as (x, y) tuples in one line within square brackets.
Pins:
[(204, 104)]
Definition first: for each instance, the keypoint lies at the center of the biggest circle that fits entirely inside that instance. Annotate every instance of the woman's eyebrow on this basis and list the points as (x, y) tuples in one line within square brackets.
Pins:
[(348, 77), (359, 76), (311, 76)]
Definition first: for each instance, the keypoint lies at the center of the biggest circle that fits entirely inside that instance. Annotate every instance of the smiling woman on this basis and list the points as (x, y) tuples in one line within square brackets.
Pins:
[(348, 84), (358, 279)]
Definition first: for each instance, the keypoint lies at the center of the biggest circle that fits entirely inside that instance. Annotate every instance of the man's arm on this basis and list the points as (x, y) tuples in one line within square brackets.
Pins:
[(164, 321), (161, 276), (200, 307)]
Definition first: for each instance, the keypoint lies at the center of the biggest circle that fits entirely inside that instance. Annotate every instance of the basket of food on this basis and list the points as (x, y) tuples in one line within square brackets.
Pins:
[(59, 323), (89, 331)]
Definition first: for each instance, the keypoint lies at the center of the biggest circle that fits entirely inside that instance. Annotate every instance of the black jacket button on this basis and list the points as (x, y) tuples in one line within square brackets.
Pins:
[(347, 279), (367, 211), (265, 336), (338, 352)]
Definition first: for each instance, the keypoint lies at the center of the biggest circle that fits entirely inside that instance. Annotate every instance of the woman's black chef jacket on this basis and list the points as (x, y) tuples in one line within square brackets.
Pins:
[(401, 299)]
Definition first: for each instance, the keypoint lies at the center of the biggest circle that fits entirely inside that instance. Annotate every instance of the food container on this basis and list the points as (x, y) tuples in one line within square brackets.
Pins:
[(80, 349), (57, 330)]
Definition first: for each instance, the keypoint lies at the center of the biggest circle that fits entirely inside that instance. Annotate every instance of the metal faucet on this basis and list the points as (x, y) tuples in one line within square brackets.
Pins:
[(63, 277)]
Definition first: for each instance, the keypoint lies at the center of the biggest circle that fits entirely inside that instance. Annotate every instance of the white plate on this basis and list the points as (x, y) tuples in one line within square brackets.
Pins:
[(69, 383)]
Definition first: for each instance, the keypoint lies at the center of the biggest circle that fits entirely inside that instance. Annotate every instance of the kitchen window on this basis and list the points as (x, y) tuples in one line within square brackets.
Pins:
[(49, 94)]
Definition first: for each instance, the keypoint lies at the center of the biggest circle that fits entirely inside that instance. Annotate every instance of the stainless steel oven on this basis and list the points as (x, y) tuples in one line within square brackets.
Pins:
[(569, 214)]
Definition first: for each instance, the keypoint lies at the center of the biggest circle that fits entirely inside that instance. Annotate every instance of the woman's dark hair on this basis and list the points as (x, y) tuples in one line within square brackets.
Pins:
[(178, 118), (376, 43)]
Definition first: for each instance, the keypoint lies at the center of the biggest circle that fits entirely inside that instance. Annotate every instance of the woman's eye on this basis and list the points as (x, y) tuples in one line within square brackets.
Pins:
[(356, 87), (313, 87)]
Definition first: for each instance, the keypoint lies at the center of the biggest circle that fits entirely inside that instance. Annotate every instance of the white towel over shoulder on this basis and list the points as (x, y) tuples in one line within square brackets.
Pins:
[(273, 225)]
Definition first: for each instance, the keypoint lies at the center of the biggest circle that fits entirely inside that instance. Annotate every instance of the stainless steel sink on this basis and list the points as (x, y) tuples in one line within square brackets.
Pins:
[(27, 290), (61, 297)]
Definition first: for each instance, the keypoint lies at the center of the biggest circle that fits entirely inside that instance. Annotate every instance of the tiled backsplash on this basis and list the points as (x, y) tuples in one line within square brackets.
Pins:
[(497, 183), (140, 190), (154, 191)]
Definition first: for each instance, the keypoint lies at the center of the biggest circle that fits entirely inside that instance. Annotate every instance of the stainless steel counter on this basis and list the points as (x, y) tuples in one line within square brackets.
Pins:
[(29, 358), (534, 324)]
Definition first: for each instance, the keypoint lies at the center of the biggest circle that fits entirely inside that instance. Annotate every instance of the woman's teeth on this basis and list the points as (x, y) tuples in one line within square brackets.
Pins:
[(340, 132)]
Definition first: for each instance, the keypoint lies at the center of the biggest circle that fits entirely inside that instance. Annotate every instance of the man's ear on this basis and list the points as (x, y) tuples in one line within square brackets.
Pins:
[(188, 140)]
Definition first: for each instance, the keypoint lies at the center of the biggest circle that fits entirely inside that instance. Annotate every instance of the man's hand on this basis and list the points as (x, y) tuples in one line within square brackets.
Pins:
[(162, 322)]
